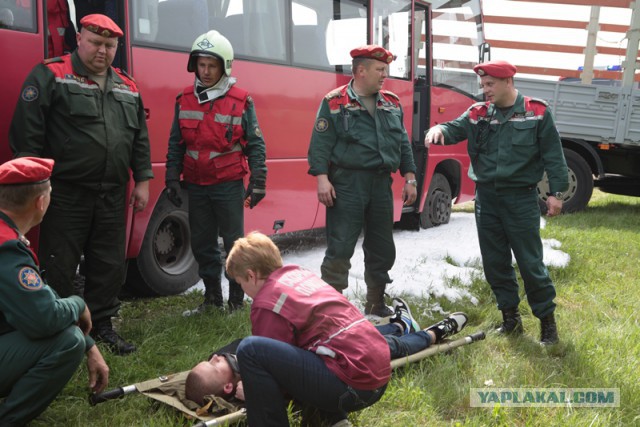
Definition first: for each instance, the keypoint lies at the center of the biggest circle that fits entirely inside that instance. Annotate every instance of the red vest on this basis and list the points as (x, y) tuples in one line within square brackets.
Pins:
[(214, 137), (326, 323), (58, 18)]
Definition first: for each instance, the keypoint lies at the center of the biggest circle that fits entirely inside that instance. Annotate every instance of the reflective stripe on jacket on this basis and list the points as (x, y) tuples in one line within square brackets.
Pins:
[(214, 138)]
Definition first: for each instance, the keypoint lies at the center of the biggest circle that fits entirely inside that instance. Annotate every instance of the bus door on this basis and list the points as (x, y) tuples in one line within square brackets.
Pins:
[(21, 36), (421, 100)]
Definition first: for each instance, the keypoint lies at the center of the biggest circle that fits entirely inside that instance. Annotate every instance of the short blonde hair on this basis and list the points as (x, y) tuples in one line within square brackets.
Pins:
[(255, 252)]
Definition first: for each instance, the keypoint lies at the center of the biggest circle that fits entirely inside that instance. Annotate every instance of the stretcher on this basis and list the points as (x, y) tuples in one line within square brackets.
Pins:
[(168, 389)]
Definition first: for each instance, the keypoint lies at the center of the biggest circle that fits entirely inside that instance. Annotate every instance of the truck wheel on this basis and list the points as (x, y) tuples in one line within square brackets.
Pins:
[(165, 264), (437, 206), (580, 189)]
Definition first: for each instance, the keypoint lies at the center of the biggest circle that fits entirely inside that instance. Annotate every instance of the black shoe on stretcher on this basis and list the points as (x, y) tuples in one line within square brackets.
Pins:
[(449, 326)]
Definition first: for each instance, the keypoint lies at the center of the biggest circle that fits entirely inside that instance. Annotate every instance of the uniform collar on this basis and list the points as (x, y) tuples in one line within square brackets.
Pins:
[(4, 217), (352, 93), (7, 219), (80, 69)]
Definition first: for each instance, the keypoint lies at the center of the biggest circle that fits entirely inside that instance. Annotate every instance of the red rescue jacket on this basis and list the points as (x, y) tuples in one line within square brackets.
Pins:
[(58, 18), (324, 322), (214, 137)]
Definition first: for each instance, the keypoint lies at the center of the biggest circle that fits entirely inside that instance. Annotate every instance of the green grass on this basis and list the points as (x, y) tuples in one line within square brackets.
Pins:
[(598, 302)]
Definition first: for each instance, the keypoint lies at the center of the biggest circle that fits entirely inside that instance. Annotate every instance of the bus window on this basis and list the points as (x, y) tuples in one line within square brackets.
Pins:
[(18, 15), (145, 17), (179, 22), (346, 30), (255, 28), (309, 37), (392, 29), (456, 38)]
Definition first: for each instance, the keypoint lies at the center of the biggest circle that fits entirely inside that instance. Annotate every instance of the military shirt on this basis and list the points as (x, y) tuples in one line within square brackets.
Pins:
[(27, 303), (95, 137), (347, 136), (514, 149)]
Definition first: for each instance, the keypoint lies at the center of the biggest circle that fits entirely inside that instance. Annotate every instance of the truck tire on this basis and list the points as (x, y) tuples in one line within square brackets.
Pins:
[(437, 205), (165, 264), (577, 197)]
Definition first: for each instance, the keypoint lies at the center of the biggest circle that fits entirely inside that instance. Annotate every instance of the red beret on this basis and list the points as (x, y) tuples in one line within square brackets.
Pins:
[(373, 51), (498, 69), (101, 25), (25, 170)]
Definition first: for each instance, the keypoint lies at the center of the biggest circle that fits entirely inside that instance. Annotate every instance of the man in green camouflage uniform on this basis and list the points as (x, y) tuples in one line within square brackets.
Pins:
[(42, 337), (358, 140), (90, 119), (512, 142)]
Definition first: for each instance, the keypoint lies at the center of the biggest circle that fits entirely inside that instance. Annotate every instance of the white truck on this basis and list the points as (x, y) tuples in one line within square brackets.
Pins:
[(600, 130)]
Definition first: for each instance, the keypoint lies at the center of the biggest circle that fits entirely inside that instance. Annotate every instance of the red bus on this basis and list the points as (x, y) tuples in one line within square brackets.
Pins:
[(288, 54)]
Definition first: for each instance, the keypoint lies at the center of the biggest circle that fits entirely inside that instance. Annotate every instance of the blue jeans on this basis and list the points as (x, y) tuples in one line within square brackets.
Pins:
[(273, 371), (403, 345)]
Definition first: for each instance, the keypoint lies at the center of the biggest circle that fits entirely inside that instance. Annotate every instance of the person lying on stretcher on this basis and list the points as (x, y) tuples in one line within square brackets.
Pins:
[(219, 375), (309, 343)]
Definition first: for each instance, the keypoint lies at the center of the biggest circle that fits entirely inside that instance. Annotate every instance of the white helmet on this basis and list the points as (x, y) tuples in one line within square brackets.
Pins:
[(214, 44)]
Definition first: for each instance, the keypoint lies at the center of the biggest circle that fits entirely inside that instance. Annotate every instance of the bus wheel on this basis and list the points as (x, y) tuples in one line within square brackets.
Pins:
[(437, 206), (165, 264), (580, 189)]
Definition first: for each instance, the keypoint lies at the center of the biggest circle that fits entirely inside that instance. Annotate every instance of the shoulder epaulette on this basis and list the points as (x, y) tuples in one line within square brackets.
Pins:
[(124, 73), (52, 60), (540, 100), (335, 93), (391, 94)]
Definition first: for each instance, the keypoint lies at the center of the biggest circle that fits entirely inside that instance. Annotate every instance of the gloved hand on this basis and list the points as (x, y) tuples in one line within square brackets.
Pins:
[(172, 182), (256, 190), (173, 192)]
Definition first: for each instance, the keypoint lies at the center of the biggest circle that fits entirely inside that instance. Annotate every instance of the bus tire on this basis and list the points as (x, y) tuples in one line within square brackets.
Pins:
[(165, 264), (577, 197), (437, 205)]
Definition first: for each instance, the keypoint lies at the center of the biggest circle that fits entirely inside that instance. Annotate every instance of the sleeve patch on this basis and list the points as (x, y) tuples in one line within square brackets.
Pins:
[(30, 93), (321, 125), (258, 132), (30, 279)]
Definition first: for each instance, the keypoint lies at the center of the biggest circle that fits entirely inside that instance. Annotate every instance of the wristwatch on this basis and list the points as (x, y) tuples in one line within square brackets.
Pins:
[(558, 195), (412, 182)]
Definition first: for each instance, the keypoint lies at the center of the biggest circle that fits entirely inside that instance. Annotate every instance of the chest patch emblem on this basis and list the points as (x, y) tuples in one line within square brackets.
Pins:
[(321, 125), (30, 279)]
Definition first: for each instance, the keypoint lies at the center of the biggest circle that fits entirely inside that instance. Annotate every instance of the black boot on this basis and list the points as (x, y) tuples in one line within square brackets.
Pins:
[(236, 296), (511, 322), (375, 304), (548, 330), (212, 299), (103, 332)]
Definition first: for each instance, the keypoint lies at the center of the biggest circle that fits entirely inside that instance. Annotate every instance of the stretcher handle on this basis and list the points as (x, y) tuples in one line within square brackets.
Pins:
[(96, 398), (478, 336)]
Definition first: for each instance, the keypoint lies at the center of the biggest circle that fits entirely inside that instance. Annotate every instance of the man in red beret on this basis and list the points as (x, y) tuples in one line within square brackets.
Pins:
[(89, 117), (358, 141), (512, 141), (42, 337)]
